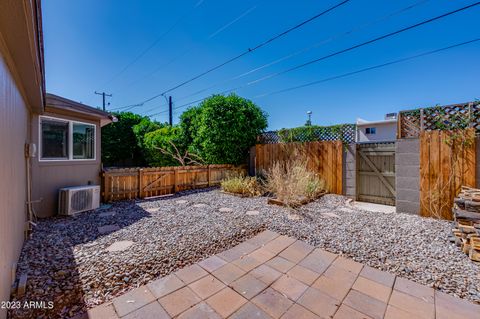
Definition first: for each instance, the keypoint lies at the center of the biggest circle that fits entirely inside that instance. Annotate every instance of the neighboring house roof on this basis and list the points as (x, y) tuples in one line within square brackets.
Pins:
[(60, 104), (21, 33), (362, 122)]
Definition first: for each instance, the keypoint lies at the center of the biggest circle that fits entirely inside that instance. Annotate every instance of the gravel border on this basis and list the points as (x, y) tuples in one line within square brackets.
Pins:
[(67, 261)]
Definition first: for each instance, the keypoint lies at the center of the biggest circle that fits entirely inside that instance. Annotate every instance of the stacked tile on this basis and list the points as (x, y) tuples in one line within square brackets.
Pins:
[(466, 211)]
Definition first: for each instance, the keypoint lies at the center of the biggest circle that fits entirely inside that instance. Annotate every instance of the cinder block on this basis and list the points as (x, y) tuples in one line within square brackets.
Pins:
[(410, 159), (350, 160), (407, 207), (350, 166), (407, 171), (350, 174), (350, 183), (350, 191), (408, 195), (407, 146), (407, 182)]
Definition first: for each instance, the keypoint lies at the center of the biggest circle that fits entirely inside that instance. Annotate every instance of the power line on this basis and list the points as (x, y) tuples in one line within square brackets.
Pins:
[(416, 56), (226, 26), (190, 48), (364, 43), (152, 45), (249, 50), (368, 69), (306, 49), (351, 48)]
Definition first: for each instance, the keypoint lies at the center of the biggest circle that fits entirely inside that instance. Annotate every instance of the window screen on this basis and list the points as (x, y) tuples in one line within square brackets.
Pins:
[(83, 141)]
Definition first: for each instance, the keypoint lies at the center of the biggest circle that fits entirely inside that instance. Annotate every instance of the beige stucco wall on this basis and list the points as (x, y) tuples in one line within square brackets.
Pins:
[(49, 176), (384, 132), (14, 133)]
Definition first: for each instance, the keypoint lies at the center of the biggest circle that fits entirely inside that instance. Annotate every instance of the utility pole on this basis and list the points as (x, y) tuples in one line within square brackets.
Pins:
[(104, 95), (170, 110)]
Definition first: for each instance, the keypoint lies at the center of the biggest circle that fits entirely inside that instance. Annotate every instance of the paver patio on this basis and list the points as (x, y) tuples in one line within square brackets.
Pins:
[(273, 276)]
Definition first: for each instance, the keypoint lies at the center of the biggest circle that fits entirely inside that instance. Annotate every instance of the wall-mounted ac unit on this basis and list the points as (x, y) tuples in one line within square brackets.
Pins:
[(77, 199)]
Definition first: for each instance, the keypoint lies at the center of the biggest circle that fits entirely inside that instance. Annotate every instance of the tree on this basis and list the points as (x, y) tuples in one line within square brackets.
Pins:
[(189, 124), (161, 145), (224, 128), (140, 130), (119, 144)]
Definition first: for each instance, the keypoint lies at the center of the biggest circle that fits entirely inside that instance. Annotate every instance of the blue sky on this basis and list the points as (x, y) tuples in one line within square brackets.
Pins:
[(89, 43)]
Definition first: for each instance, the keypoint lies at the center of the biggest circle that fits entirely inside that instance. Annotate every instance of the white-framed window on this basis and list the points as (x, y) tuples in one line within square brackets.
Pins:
[(370, 130), (65, 140)]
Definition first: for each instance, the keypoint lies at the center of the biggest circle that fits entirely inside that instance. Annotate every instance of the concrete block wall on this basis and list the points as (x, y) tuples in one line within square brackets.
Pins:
[(407, 179), (349, 170)]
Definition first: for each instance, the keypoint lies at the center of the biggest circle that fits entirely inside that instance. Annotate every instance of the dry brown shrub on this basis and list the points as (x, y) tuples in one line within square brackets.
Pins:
[(292, 182)]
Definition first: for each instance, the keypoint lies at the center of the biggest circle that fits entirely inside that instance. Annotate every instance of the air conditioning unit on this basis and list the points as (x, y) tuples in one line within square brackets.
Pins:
[(72, 200), (391, 116)]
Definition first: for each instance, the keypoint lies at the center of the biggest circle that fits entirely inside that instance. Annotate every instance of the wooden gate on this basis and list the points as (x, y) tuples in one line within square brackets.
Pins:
[(376, 173)]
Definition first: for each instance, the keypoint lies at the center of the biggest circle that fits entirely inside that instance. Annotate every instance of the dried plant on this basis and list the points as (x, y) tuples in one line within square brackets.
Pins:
[(293, 183), (243, 185)]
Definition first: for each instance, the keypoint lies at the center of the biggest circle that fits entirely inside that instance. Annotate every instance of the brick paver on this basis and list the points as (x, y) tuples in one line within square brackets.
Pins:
[(250, 311), (206, 286), (226, 302), (273, 276), (165, 285), (248, 286)]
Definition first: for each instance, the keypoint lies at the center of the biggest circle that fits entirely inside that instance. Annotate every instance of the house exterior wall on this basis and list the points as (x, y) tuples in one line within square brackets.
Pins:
[(407, 180), (385, 132), (49, 176), (14, 133)]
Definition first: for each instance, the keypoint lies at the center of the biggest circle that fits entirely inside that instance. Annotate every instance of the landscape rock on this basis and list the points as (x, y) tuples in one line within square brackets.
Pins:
[(119, 245), (107, 229)]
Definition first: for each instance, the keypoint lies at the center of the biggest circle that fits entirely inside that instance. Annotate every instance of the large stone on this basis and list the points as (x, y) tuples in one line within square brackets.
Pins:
[(106, 214), (120, 245), (107, 229), (330, 215)]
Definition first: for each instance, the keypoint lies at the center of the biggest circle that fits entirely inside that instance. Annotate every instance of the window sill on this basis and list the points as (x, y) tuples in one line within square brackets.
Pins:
[(67, 162)]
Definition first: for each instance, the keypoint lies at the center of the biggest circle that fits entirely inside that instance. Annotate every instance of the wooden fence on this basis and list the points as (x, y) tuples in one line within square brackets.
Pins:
[(447, 161), (130, 183), (325, 158)]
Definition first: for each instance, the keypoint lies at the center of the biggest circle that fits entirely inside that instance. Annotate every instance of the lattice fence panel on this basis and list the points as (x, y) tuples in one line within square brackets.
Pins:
[(448, 117), (345, 133)]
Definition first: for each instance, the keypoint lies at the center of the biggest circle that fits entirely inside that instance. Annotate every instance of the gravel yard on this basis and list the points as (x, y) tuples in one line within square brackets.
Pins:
[(67, 260)]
